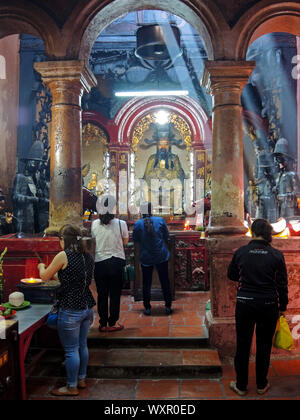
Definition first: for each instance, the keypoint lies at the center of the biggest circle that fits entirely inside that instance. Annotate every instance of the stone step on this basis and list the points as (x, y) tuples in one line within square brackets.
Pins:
[(142, 363), (149, 342)]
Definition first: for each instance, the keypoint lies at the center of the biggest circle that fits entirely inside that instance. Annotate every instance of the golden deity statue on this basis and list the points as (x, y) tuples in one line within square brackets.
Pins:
[(93, 182), (165, 168), (164, 164)]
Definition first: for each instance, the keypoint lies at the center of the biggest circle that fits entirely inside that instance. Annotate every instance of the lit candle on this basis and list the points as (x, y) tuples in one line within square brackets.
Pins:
[(31, 280)]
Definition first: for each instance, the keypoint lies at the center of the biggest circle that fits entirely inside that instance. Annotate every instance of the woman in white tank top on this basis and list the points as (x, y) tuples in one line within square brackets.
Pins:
[(111, 234)]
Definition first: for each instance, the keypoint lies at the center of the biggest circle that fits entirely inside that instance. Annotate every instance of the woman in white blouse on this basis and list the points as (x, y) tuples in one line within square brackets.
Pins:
[(111, 234)]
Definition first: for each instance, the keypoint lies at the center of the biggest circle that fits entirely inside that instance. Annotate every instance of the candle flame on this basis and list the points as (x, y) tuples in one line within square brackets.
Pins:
[(31, 280), (187, 226)]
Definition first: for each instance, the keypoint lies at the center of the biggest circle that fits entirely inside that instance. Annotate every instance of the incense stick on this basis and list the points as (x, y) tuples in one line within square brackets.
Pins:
[(39, 258)]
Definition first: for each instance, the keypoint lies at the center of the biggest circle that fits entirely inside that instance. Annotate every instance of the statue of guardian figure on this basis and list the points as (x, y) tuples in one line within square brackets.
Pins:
[(286, 180)]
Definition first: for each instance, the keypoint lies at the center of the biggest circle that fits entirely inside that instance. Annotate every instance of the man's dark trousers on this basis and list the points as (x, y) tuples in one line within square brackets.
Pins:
[(163, 274)]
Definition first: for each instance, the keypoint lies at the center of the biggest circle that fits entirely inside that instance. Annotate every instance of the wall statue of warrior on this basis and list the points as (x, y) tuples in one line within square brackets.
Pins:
[(43, 194), (30, 194), (286, 180), (265, 184)]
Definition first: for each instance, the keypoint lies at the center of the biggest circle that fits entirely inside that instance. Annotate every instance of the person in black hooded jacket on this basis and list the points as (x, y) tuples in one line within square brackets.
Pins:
[(262, 297)]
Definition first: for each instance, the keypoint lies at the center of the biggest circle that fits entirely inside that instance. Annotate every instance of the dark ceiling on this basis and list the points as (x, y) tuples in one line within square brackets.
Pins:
[(59, 10), (234, 9)]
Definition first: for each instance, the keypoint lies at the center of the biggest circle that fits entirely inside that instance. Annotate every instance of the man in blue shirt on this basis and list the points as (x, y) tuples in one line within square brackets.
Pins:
[(151, 233)]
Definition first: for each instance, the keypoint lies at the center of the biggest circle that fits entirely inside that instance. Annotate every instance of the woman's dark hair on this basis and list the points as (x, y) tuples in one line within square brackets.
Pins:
[(106, 208), (146, 212), (262, 228), (72, 237)]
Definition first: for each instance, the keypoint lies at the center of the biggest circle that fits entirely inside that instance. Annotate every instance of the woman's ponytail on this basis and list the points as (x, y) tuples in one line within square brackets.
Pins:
[(106, 207), (146, 211), (72, 237)]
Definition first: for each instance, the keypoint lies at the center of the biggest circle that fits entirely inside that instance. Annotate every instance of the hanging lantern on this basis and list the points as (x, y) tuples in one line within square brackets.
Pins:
[(158, 42)]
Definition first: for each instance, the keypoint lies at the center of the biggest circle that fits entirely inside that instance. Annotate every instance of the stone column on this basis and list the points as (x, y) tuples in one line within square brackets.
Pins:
[(67, 81), (225, 81)]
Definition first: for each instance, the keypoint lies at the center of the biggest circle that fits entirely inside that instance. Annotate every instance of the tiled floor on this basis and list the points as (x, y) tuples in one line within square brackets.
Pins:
[(284, 379), (186, 321)]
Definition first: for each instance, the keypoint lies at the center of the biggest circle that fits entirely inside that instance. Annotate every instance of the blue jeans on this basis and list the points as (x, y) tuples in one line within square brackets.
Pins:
[(73, 327)]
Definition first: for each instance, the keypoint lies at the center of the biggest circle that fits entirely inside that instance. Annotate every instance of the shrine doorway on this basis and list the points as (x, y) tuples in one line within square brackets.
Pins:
[(129, 132), (125, 158)]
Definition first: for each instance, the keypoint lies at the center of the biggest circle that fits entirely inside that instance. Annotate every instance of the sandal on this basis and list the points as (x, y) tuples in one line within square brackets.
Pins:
[(81, 384), (115, 328), (103, 329), (263, 390), (235, 389), (65, 391)]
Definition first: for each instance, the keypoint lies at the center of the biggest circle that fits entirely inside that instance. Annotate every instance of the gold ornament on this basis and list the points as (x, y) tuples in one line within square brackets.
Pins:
[(92, 133)]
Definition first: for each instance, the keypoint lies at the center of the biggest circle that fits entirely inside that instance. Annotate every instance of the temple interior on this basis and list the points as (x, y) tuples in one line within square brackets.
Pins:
[(193, 106)]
